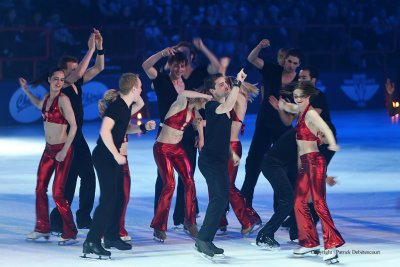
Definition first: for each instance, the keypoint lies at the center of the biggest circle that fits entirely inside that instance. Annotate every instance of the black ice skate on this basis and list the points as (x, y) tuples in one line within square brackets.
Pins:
[(93, 248), (331, 256), (205, 249), (159, 235), (118, 244), (266, 242)]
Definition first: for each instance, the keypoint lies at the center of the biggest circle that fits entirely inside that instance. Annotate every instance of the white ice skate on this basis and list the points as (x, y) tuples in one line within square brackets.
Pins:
[(126, 238), (67, 241), (331, 256), (303, 250), (36, 235)]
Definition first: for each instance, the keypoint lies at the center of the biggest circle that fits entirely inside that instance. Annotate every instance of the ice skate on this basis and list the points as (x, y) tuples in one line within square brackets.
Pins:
[(36, 235), (118, 244), (221, 230), (93, 248), (67, 241), (266, 242), (254, 227), (191, 230), (218, 252), (204, 249), (159, 235), (126, 238), (331, 256), (303, 250)]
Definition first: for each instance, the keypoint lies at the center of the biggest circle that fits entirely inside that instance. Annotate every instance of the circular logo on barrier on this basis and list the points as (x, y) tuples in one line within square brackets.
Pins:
[(21, 108), (92, 92)]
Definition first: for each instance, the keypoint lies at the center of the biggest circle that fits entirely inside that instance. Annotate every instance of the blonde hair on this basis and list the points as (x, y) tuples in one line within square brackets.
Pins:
[(127, 81), (109, 97), (250, 90)]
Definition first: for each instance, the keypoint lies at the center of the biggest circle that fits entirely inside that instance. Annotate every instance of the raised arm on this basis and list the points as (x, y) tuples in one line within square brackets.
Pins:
[(68, 113), (148, 65), (253, 57), (231, 99), (99, 64), (83, 65), (34, 100), (214, 65)]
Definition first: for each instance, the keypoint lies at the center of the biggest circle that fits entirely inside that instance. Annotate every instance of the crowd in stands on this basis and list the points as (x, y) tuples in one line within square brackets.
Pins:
[(229, 27)]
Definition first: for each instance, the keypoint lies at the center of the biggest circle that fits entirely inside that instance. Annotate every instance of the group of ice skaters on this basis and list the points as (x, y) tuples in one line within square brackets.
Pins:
[(294, 160)]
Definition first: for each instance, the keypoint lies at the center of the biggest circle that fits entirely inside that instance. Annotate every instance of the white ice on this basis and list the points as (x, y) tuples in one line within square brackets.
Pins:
[(365, 205)]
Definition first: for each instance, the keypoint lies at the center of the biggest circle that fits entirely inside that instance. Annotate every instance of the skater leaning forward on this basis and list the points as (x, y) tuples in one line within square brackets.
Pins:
[(57, 114)]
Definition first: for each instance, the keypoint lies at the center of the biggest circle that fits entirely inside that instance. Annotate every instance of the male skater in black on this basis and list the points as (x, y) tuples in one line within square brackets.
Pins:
[(269, 126), (214, 156), (76, 75)]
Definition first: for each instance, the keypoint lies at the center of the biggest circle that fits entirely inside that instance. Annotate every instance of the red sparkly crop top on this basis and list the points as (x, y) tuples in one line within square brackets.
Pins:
[(303, 132), (54, 113), (178, 120), (236, 118)]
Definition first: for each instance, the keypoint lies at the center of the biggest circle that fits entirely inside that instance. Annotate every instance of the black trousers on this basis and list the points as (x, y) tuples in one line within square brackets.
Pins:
[(108, 213), (179, 211), (281, 179), (81, 166), (265, 135), (216, 174)]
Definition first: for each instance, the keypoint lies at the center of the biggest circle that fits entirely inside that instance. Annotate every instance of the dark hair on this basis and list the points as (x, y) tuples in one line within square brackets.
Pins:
[(294, 52), (209, 82), (178, 57), (313, 71), (63, 61), (44, 77), (189, 45), (308, 89)]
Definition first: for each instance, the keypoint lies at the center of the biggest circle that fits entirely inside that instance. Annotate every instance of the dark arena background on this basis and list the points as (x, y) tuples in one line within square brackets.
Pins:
[(353, 44)]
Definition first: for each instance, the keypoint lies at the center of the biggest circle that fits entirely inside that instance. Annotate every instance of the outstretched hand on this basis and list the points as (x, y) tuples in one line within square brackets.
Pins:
[(169, 51), (274, 102), (22, 82)]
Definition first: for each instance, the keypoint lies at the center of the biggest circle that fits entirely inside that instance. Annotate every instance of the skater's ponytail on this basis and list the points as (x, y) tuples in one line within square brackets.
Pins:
[(109, 97)]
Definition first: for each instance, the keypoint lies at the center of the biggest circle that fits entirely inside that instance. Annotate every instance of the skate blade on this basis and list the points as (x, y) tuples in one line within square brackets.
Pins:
[(159, 240), (265, 247), (97, 257), (68, 242), (332, 261), (55, 234), (315, 252)]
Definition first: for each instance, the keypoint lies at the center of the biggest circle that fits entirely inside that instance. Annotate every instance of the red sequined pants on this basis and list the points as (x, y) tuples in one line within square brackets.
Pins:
[(127, 192), (245, 214), (311, 183), (48, 164), (168, 157)]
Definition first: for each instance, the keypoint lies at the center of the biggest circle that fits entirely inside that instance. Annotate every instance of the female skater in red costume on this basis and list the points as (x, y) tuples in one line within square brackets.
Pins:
[(57, 114), (312, 174), (169, 154)]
